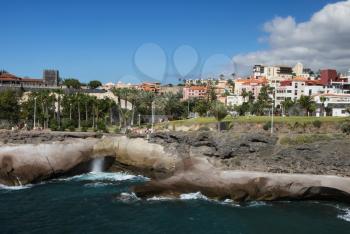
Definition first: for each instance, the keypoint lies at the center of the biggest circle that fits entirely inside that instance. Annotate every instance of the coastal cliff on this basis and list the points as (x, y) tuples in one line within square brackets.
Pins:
[(30, 163), (221, 165)]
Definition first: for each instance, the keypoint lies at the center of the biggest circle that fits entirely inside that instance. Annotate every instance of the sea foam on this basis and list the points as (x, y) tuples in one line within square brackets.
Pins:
[(193, 196), (105, 176), (346, 215), (13, 188)]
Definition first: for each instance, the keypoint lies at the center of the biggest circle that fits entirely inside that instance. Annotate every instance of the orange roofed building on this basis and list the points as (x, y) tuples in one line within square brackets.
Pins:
[(253, 85), (7, 79), (153, 87), (194, 92)]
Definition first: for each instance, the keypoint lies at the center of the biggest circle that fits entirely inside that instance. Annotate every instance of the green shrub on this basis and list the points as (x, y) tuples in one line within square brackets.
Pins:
[(101, 126), (62, 129), (267, 126), (67, 123), (317, 124), (345, 127), (86, 124), (84, 129), (305, 139), (53, 126), (71, 128), (231, 125)]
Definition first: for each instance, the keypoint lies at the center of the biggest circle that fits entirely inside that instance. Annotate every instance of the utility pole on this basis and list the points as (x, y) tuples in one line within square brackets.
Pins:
[(273, 108), (272, 114), (139, 120), (34, 111)]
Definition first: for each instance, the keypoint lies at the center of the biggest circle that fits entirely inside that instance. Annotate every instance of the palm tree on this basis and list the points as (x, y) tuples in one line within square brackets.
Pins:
[(119, 93), (133, 96), (251, 96), (78, 98), (93, 102), (287, 104), (244, 94), (219, 111), (126, 94), (231, 83), (85, 99), (59, 93), (306, 103)]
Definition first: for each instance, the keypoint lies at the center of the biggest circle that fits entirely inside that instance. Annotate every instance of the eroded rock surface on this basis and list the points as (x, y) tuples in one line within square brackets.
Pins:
[(260, 152), (36, 137), (29, 163)]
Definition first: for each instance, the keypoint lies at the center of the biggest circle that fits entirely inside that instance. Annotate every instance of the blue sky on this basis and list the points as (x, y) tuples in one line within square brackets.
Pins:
[(98, 39)]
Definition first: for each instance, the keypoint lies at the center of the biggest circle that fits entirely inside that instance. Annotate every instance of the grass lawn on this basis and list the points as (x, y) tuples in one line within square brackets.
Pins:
[(260, 119)]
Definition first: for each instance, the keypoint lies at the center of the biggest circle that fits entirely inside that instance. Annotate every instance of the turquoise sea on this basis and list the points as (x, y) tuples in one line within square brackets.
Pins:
[(102, 203)]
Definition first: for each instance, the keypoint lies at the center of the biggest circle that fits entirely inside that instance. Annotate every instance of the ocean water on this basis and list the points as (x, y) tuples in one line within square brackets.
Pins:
[(102, 203)]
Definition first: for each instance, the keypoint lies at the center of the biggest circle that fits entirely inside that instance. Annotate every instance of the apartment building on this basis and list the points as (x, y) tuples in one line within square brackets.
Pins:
[(293, 89), (190, 92), (339, 104), (252, 84)]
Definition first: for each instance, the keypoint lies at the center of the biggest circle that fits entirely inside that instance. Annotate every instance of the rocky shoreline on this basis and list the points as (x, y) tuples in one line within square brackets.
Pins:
[(261, 152), (221, 165), (36, 137)]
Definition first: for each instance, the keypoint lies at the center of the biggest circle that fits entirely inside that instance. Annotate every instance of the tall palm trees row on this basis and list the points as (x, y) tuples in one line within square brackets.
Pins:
[(54, 108)]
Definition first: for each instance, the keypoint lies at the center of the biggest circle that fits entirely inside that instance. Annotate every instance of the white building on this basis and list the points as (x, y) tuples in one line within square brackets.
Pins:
[(298, 69), (290, 90), (234, 100), (273, 74), (338, 103)]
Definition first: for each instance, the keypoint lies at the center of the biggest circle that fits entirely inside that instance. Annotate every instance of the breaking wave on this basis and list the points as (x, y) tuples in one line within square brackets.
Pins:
[(105, 176), (13, 188), (346, 215), (193, 196)]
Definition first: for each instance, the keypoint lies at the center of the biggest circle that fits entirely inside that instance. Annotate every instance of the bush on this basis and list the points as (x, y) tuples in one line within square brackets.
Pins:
[(67, 124), (345, 127), (86, 124), (294, 125), (306, 138), (231, 125), (84, 129), (62, 129), (101, 126), (53, 126), (267, 126), (317, 124), (71, 128)]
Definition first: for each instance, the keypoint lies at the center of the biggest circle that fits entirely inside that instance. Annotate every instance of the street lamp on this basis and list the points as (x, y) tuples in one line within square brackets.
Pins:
[(153, 107), (273, 107), (34, 111)]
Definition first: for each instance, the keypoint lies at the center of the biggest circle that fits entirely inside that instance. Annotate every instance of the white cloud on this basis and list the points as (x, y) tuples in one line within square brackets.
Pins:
[(321, 42)]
